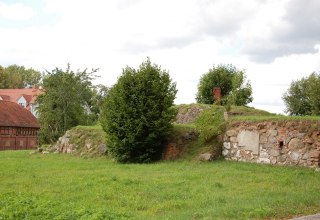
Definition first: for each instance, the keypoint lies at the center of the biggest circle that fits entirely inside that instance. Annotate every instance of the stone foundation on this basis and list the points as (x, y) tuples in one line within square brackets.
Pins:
[(282, 143)]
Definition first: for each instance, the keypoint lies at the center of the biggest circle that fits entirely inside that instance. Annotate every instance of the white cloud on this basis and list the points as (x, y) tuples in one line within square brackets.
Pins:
[(185, 37), (296, 31), (16, 11)]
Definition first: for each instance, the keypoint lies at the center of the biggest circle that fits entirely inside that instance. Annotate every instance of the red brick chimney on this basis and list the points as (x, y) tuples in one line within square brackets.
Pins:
[(216, 91)]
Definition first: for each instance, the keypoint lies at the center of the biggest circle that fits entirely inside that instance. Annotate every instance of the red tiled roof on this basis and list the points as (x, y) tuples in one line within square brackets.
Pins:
[(5, 97), (14, 115), (29, 94)]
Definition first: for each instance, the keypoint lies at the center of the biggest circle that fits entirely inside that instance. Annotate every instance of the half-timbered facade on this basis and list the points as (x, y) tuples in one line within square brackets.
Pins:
[(18, 127)]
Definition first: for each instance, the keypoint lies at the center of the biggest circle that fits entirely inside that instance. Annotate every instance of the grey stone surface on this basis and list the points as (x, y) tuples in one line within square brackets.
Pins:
[(272, 139), (274, 152), (264, 154), (234, 145), (263, 160), (282, 158), (263, 138), (272, 133), (295, 143), (234, 139), (103, 148), (273, 160), (295, 156), (227, 145), (309, 217), (205, 156), (249, 140), (225, 152)]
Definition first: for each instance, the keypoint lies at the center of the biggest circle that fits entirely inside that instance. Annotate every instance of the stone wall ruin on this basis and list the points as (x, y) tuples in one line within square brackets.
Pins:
[(281, 143)]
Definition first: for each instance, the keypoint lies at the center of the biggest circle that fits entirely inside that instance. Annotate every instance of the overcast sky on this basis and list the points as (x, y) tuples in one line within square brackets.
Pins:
[(275, 41)]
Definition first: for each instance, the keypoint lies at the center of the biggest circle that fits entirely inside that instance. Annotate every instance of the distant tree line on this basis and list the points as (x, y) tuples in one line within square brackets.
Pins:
[(17, 77)]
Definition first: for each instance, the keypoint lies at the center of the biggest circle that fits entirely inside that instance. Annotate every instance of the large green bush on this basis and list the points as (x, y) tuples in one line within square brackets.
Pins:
[(137, 113)]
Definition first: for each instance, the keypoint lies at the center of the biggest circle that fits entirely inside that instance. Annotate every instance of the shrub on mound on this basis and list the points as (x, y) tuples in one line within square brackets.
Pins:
[(138, 113)]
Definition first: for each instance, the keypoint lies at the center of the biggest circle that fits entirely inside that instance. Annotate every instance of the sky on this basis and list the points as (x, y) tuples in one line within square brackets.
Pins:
[(274, 41)]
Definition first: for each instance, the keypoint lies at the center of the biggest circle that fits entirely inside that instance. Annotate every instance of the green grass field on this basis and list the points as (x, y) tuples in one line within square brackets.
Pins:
[(53, 186)]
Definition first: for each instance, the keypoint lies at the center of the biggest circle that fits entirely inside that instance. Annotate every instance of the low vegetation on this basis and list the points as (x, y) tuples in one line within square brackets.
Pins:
[(57, 186)]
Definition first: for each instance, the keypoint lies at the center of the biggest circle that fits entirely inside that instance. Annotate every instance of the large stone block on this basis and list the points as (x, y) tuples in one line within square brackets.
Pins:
[(227, 145), (274, 152), (295, 156), (249, 140), (234, 139), (264, 154), (295, 143), (225, 152), (205, 157), (263, 160), (263, 138), (272, 133)]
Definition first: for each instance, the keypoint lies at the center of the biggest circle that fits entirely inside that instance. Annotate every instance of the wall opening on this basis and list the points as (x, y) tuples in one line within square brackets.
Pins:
[(281, 144)]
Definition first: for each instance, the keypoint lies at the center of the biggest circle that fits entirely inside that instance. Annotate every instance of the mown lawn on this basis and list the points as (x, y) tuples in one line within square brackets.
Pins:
[(65, 187)]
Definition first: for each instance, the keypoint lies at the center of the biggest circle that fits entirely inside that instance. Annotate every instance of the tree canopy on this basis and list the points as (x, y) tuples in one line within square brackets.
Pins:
[(235, 90), (137, 113), (17, 77), (303, 96), (65, 102)]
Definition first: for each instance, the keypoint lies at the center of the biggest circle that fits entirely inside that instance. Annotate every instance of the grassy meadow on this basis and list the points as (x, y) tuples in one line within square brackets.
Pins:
[(55, 186)]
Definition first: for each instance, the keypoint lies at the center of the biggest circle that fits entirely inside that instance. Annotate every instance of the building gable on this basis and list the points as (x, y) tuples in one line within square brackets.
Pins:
[(24, 97), (22, 101)]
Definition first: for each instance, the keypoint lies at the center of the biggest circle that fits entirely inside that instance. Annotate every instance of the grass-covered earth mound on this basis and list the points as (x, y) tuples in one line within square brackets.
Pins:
[(84, 141)]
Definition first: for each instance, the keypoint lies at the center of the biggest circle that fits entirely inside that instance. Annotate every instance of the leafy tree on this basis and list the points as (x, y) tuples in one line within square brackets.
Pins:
[(303, 96), (234, 88), (65, 102), (17, 77), (241, 92), (99, 94), (137, 113)]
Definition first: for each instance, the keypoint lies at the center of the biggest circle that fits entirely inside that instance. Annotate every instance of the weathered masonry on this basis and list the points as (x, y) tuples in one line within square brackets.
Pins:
[(18, 127), (282, 142)]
